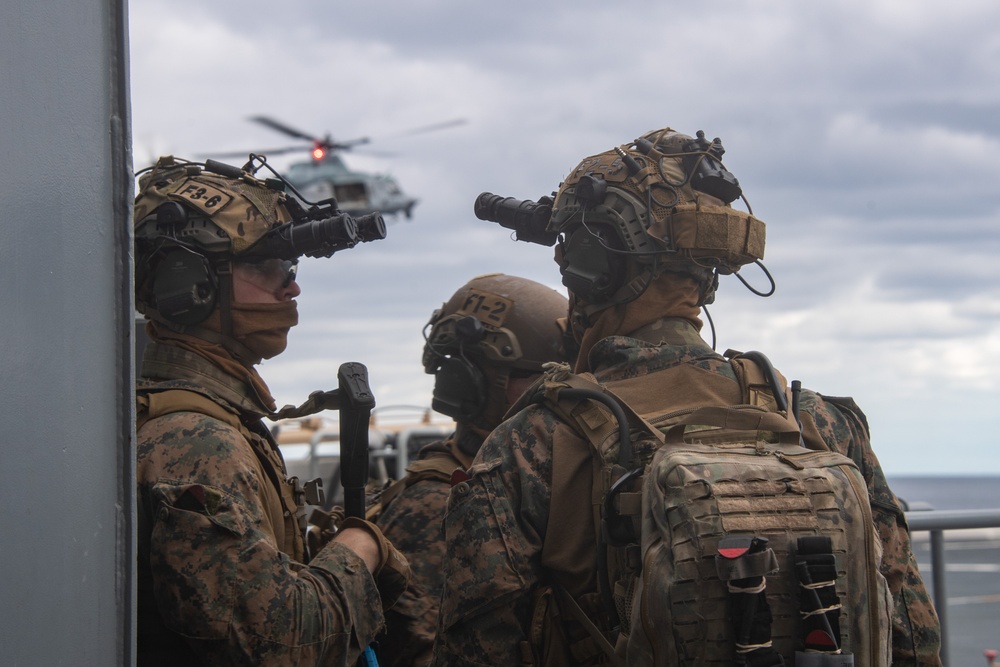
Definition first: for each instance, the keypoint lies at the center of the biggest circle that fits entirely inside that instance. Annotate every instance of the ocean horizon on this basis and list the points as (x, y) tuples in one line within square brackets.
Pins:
[(948, 492)]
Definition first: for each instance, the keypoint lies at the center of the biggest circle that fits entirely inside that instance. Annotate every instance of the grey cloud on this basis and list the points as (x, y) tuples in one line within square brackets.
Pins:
[(865, 135)]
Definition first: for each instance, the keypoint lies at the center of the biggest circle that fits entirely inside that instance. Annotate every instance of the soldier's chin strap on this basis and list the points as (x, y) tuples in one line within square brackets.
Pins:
[(317, 402)]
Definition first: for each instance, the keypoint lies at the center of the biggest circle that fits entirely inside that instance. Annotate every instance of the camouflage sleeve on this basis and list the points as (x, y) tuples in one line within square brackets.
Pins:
[(412, 522), (494, 528), (916, 632), (219, 579)]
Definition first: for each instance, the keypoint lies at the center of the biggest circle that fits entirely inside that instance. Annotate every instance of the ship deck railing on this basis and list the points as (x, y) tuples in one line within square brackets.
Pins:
[(936, 522)]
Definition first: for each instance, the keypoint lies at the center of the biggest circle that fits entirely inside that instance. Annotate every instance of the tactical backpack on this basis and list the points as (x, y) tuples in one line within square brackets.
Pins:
[(723, 538)]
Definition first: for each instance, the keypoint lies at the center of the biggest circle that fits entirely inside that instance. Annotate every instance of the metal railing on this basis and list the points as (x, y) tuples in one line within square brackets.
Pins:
[(936, 522)]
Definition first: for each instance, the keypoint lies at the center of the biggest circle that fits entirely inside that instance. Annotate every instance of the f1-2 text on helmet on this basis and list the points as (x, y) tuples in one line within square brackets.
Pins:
[(494, 328)]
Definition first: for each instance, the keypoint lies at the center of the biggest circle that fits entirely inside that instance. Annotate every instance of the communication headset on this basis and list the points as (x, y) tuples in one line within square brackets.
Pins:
[(179, 281), (460, 388), (184, 286), (589, 267)]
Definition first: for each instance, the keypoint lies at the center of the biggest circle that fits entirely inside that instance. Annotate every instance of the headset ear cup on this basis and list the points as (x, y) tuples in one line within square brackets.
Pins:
[(460, 390), (184, 287), (589, 269)]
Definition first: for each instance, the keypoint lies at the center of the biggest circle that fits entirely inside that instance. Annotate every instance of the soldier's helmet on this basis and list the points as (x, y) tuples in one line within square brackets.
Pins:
[(659, 203), (192, 220), (494, 328)]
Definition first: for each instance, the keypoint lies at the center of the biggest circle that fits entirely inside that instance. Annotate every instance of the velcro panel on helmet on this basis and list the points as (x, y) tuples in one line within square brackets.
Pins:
[(733, 237), (251, 215), (607, 165), (244, 209)]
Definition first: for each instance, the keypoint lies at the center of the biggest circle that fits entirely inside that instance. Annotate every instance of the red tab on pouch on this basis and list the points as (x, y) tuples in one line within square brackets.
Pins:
[(459, 476), (733, 553), (819, 639), (734, 546)]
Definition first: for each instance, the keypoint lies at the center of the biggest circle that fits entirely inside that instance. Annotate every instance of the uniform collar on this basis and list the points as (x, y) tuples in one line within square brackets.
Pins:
[(669, 331), (169, 362)]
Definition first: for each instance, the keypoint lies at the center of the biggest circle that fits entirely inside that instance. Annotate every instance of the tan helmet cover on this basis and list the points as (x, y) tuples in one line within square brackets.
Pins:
[(523, 323), (660, 217), (225, 215)]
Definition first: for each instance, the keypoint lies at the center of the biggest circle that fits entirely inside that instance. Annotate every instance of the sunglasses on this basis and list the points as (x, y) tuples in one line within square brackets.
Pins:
[(273, 271)]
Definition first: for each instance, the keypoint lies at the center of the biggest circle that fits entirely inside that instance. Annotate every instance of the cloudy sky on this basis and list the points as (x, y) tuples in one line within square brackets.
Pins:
[(865, 134)]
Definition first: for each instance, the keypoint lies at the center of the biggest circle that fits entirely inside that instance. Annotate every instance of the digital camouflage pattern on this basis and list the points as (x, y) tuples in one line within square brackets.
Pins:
[(221, 580), (503, 548), (411, 520), (483, 345)]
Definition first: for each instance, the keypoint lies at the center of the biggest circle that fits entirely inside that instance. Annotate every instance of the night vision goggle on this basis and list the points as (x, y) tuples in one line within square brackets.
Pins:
[(532, 221), (317, 231)]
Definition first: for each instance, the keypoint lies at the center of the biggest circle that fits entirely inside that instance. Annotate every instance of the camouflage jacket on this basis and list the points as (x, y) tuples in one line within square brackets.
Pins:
[(497, 527), (220, 574), (411, 520)]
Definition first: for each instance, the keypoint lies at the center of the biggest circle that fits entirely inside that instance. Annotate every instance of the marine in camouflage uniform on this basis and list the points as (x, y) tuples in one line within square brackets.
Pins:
[(522, 521), (485, 345), (223, 577)]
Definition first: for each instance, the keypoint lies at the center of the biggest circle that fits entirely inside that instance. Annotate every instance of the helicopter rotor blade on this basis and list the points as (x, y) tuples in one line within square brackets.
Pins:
[(283, 150), (348, 145), (327, 143), (281, 127), (261, 151), (430, 128)]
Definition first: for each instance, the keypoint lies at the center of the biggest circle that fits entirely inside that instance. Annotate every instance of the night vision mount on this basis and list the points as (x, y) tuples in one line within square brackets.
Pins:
[(317, 231)]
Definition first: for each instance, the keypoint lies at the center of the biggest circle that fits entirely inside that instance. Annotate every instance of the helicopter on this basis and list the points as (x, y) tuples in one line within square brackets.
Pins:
[(326, 175)]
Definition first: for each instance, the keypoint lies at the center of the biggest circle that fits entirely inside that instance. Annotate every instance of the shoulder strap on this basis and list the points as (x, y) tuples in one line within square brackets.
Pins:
[(760, 383), (582, 401), (439, 468), (567, 601), (596, 414), (153, 404), (432, 467)]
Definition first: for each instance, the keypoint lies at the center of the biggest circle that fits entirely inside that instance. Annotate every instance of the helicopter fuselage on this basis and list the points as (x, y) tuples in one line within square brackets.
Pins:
[(357, 193)]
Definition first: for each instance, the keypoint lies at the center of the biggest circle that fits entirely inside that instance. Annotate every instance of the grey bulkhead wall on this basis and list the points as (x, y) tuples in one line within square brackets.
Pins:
[(66, 451)]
